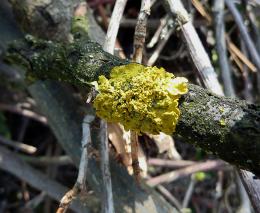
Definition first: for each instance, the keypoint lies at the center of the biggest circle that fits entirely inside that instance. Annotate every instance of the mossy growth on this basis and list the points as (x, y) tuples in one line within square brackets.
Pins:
[(143, 99)]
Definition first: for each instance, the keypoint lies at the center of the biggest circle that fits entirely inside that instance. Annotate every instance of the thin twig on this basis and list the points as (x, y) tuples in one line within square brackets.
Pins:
[(24, 112), (109, 45), (33, 203), (113, 27), (170, 163), (169, 197), (234, 49), (45, 160), (159, 47), (174, 175), (188, 193), (157, 33), (248, 85), (245, 205), (80, 184), (134, 155), (18, 145), (107, 202), (139, 40), (252, 187), (221, 48), (140, 31), (105, 22)]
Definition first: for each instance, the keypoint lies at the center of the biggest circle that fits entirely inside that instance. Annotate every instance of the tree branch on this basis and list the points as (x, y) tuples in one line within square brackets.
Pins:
[(228, 128)]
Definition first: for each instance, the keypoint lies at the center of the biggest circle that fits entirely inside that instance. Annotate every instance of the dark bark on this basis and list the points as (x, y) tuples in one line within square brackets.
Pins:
[(227, 127)]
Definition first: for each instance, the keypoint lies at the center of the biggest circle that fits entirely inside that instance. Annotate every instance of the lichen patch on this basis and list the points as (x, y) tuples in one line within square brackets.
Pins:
[(143, 99)]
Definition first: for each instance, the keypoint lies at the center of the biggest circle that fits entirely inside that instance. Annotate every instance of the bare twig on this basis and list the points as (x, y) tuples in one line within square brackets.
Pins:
[(221, 47), (197, 51), (108, 203), (139, 40), (140, 31), (248, 85), (159, 47), (188, 193), (201, 10), (35, 201), (45, 161), (79, 186), (245, 205), (114, 26), (105, 22), (24, 112), (231, 46), (233, 49), (109, 45), (170, 163), (18, 145), (134, 155), (174, 175), (157, 33), (252, 187), (169, 197)]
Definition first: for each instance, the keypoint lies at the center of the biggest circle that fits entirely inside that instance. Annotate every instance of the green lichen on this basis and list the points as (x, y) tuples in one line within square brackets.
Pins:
[(143, 99)]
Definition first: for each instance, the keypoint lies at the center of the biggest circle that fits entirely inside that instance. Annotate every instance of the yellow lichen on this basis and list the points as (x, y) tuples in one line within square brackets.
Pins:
[(143, 99), (222, 122)]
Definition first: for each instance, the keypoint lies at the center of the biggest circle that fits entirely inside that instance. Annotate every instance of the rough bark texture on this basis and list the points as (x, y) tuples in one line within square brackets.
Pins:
[(228, 128), (78, 63)]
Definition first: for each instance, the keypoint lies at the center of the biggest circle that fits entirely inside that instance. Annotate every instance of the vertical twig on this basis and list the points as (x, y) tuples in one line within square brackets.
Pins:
[(139, 40), (245, 206), (134, 155), (248, 86), (80, 184), (140, 31), (189, 192), (114, 26), (109, 45), (107, 202), (221, 48)]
